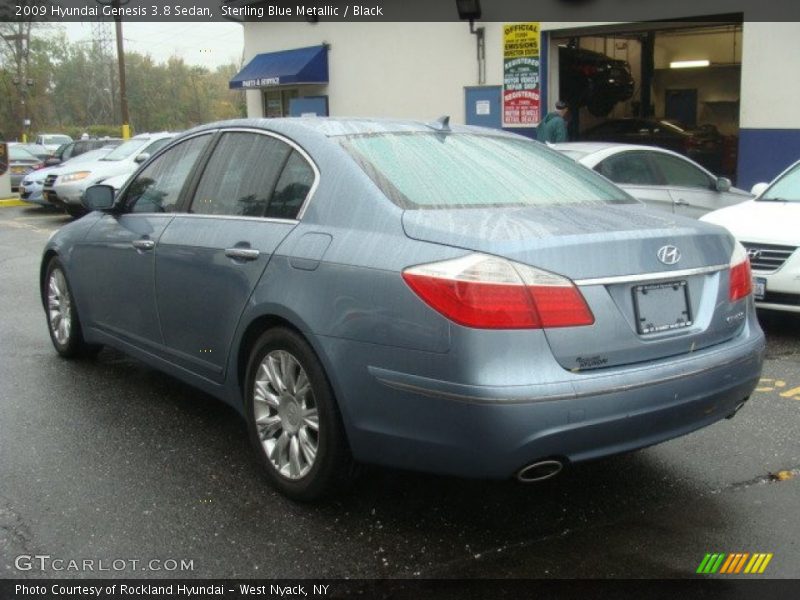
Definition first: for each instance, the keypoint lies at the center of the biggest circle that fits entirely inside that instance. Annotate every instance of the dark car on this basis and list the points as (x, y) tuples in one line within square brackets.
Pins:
[(21, 162), (593, 80), (703, 144), (76, 148)]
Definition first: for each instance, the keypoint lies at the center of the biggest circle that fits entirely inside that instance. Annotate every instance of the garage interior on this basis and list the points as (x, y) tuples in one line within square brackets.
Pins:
[(686, 72)]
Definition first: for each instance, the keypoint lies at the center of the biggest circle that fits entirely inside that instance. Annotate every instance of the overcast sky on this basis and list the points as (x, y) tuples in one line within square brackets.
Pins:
[(205, 44)]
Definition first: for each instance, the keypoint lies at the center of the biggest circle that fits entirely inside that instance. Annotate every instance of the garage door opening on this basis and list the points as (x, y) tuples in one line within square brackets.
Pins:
[(674, 85)]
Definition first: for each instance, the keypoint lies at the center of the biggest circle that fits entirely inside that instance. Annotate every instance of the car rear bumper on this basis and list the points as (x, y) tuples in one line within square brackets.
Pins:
[(478, 431)]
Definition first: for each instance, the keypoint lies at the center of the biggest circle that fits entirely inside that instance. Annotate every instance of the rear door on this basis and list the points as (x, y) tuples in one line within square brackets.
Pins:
[(209, 260)]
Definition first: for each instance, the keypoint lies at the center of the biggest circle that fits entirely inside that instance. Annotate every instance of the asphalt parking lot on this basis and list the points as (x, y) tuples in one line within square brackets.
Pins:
[(108, 459)]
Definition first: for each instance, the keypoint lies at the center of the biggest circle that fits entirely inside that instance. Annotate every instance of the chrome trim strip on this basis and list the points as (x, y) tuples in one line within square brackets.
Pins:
[(499, 401), (658, 276)]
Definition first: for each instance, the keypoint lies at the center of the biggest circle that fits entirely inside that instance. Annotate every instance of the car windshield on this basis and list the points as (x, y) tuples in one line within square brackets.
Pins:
[(459, 170), (56, 139), (17, 153), (785, 189), (125, 150)]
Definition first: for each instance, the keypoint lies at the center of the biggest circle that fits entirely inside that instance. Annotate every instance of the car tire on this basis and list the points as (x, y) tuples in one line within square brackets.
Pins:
[(600, 108), (76, 212), (293, 420), (63, 323)]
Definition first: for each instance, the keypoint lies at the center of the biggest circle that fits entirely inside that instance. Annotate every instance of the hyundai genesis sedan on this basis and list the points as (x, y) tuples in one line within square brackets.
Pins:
[(442, 298)]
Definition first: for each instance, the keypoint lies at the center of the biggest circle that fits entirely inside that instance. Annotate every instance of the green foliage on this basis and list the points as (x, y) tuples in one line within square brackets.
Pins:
[(75, 89)]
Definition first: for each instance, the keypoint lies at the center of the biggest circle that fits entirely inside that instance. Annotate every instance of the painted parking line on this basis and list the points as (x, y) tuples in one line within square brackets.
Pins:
[(12, 202), (767, 385)]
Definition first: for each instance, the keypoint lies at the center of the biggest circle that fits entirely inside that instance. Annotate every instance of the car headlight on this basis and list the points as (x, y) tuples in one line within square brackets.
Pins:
[(77, 176)]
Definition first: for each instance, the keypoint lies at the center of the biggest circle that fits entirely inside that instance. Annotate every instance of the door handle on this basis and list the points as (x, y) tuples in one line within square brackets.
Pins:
[(242, 253), (143, 245), (680, 202)]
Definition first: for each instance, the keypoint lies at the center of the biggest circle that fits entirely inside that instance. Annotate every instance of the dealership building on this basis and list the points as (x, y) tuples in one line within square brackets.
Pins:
[(724, 73)]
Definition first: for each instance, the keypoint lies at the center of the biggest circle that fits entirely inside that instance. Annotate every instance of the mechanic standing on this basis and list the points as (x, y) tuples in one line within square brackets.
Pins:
[(553, 128)]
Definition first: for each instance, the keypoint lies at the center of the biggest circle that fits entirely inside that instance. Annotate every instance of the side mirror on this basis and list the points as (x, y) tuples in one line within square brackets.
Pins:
[(723, 184), (52, 161), (759, 188), (141, 158), (98, 197)]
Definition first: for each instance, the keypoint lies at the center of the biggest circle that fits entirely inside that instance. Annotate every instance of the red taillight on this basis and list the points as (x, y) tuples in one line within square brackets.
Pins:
[(491, 293), (741, 279)]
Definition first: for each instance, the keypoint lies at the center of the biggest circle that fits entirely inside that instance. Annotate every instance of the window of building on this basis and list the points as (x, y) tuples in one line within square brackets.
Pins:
[(276, 102)]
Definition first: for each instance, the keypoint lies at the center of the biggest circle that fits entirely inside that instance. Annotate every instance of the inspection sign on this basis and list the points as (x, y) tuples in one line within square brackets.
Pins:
[(521, 79)]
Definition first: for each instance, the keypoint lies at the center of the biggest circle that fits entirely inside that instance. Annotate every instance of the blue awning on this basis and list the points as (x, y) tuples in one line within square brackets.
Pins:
[(288, 67)]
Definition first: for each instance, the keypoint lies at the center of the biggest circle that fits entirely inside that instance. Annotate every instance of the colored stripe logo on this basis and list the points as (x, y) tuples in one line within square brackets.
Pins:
[(734, 563)]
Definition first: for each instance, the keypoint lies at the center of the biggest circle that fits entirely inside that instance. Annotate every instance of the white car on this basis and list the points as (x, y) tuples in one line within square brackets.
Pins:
[(30, 190), (66, 189), (768, 228), (660, 178), (52, 141)]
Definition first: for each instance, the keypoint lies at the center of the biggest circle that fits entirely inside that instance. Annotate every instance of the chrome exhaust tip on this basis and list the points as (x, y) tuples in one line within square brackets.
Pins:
[(539, 471), (738, 408)]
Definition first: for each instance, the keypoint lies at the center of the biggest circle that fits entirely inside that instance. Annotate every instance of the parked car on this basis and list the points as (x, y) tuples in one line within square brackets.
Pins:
[(20, 163), (406, 294), (66, 189), (660, 178), (593, 80), (767, 228), (32, 186), (76, 148), (52, 141), (37, 150), (704, 145)]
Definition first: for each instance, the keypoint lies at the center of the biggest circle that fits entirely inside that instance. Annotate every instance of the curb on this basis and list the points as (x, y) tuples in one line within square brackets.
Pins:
[(12, 202)]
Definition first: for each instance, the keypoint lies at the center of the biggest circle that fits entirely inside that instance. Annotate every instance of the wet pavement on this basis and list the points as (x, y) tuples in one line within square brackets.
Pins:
[(108, 459)]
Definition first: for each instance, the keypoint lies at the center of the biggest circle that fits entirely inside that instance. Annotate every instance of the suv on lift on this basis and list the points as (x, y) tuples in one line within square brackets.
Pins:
[(593, 80)]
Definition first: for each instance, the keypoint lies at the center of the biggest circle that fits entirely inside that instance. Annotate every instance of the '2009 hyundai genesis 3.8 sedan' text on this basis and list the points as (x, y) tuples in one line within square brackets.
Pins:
[(448, 299)]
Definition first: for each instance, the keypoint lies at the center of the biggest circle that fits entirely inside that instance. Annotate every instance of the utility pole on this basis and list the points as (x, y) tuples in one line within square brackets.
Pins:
[(123, 94)]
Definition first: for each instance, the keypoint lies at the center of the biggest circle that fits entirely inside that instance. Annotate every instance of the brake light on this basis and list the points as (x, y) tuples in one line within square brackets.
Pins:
[(486, 292), (741, 280)]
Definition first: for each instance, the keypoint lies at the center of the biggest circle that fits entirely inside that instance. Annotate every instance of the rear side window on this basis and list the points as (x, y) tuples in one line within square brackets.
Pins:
[(463, 170), (632, 168), (292, 189), (241, 175), (158, 186)]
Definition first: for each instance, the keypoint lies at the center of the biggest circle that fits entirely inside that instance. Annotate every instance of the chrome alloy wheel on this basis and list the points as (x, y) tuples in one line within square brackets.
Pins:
[(59, 307), (285, 412)]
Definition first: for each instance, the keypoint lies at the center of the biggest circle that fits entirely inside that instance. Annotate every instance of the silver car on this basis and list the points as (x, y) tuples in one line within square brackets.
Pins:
[(447, 299), (660, 178)]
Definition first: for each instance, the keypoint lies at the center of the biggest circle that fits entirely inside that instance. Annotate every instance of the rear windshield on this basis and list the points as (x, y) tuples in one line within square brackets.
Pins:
[(463, 170)]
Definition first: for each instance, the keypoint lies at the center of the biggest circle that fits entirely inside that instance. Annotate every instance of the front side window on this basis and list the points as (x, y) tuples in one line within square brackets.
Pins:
[(631, 168), (241, 175), (680, 173), (158, 186), (461, 170)]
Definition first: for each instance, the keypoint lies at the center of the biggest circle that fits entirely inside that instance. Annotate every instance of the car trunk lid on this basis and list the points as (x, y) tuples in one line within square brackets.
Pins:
[(644, 309)]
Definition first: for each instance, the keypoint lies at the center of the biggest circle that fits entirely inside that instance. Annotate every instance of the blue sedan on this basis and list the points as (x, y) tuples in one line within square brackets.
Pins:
[(449, 299)]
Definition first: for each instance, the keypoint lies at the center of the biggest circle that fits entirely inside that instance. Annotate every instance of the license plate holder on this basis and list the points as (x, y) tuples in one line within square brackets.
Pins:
[(759, 288), (661, 307)]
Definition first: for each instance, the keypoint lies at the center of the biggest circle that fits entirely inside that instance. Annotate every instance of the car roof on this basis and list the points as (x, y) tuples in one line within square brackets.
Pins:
[(339, 126)]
